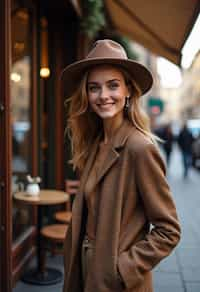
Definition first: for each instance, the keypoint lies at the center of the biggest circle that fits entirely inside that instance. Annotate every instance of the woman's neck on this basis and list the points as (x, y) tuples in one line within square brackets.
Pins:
[(110, 127)]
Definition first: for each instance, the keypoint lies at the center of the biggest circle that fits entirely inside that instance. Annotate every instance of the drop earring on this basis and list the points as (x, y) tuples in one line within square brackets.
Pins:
[(127, 102)]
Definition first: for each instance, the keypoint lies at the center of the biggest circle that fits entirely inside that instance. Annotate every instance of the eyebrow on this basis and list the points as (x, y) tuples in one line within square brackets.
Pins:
[(95, 82)]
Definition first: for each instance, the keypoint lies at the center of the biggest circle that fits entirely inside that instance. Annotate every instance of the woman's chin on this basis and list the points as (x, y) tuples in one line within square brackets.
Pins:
[(106, 116)]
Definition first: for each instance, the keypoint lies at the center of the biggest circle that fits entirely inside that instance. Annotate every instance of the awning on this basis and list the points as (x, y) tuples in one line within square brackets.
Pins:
[(160, 26)]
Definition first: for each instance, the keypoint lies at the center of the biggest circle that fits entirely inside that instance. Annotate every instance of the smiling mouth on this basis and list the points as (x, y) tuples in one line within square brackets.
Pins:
[(105, 105)]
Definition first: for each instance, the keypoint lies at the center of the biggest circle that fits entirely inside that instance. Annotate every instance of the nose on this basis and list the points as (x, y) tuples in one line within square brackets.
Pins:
[(104, 93)]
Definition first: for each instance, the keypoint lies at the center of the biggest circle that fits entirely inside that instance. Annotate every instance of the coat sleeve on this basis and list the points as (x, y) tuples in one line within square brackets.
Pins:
[(160, 211)]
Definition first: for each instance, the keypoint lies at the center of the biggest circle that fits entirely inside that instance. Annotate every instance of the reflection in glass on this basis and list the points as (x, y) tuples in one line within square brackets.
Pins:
[(20, 92), (21, 112)]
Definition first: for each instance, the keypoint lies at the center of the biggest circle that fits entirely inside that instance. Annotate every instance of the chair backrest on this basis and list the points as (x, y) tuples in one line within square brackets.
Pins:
[(71, 187)]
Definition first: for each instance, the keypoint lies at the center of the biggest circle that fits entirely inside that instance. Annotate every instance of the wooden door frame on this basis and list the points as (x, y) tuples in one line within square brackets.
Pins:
[(5, 148), (24, 249)]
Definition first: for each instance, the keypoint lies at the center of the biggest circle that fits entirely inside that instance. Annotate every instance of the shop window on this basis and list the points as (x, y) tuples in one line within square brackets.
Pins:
[(21, 113)]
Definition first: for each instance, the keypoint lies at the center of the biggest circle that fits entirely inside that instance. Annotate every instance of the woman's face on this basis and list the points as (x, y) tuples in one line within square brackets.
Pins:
[(107, 91)]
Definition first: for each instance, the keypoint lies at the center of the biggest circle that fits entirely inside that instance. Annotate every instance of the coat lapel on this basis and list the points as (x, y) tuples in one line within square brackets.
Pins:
[(111, 158), (118, 143)]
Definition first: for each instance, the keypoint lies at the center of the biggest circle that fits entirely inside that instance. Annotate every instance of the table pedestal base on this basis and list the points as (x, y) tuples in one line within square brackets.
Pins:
[(49, 277)]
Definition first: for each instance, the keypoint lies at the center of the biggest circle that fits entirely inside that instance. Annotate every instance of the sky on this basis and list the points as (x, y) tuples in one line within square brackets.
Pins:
[(170, 74)]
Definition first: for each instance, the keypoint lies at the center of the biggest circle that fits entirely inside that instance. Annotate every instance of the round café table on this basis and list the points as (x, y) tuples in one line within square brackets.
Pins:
[(37, 276)]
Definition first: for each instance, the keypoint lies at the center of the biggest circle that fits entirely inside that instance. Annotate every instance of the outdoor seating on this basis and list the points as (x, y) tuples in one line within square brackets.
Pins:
[(55, 234), (71, 188)]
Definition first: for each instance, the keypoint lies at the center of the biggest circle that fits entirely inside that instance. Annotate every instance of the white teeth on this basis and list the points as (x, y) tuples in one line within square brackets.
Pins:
[(106, 105)]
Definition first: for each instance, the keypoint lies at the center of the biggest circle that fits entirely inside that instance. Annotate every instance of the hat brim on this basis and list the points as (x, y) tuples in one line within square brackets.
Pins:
[(73, 73)]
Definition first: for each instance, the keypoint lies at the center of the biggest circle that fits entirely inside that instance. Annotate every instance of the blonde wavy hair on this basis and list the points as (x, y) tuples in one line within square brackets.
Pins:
[(84, 126)]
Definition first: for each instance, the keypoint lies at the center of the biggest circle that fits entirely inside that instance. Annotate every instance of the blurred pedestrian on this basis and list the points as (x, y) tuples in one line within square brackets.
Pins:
[(123, 190), (168, 139), (185, 141), (196, 152)]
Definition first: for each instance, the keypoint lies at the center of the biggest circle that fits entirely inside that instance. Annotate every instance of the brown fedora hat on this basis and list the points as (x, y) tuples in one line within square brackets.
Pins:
[(106, 52)]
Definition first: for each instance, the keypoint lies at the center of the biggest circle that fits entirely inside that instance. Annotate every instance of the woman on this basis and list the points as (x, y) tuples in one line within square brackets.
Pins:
[(123, 191)]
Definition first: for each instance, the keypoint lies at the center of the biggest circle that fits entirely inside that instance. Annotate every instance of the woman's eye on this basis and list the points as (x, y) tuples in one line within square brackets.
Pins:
[(93, 88), (114, 85)]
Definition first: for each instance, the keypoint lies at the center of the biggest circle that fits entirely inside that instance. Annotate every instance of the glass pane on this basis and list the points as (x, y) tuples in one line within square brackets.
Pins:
[(21, 112)]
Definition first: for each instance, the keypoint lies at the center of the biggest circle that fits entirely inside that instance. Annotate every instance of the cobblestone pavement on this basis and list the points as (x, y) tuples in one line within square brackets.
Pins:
[(180, 272)]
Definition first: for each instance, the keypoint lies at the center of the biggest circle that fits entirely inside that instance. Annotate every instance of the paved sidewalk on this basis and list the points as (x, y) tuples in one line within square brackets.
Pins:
[(180, 272)]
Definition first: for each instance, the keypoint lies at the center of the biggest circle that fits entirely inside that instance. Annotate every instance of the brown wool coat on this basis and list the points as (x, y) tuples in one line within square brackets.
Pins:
[(133, 193)]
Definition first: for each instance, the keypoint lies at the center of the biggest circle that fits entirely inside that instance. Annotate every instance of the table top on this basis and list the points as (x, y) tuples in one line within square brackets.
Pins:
[(45, 197)]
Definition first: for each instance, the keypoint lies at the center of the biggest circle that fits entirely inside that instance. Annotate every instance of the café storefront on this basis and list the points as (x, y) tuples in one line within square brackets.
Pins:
[(38, 39)]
